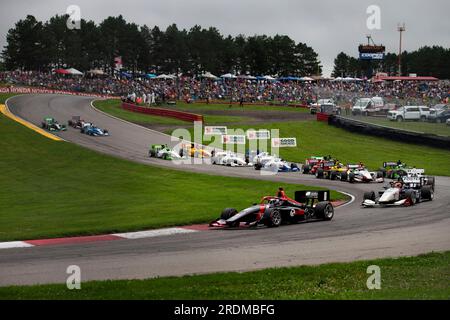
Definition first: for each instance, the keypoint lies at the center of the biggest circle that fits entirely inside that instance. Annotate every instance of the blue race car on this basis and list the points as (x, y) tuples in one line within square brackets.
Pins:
[(92, 130)]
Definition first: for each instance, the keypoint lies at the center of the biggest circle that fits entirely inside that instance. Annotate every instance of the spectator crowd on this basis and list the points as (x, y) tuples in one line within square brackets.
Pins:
[(190, 89)]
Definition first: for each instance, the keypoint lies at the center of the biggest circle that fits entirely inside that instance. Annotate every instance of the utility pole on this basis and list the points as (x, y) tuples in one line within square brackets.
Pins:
[(400, 29)]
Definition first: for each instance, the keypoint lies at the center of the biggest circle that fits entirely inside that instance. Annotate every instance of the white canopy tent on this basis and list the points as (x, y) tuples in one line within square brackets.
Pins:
[(74, 72), (209, 75), (228, 76), (165, 77)]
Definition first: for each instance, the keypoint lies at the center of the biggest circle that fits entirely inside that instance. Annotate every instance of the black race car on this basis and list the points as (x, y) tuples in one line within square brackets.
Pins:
[(273, 211)]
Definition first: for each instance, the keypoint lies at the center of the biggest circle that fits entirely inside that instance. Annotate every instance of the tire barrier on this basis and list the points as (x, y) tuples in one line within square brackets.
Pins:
[(185, 116), (394, 134)]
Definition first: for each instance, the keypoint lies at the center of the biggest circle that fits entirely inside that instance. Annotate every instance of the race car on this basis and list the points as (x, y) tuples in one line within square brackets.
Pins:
[(310, 163), (264, 161), (195, 152), (359, 173), (76, 122), (162, 151), (51, 124), (415, 174), (329, 169), (274, 211), (406, 193), (227, 158), (91, 130), (394, 169)]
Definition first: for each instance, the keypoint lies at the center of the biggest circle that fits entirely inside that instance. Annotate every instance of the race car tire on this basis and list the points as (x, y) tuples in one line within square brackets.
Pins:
[(426, 193), (228, 213), (431, 182), (351, 177), (380, 174), (333, 175), (258, 166), (274, 219), (370, 195), (319, 173), (43, 125), (410, 194), (344, 176), (399, 119), (383, 172), (324, 210), (306, 169)]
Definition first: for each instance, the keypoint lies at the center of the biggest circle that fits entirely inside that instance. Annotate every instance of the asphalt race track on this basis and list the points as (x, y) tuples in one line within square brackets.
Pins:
[(354, 233)]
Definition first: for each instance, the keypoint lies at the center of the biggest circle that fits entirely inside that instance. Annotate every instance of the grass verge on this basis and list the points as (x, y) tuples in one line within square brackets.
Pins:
[(113, 107), (421, 277), (425, 127)]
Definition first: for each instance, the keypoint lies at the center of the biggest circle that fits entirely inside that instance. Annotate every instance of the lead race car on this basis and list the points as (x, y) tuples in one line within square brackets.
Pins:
[(406, 192), (274, 211)]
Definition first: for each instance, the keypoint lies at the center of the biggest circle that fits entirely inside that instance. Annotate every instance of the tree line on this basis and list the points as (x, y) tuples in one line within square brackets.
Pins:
[(37, 45), (426, 61)]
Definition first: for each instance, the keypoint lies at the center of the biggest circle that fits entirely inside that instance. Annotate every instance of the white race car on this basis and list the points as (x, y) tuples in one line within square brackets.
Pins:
[(264, 161), (360, 173), (227, 158), (399, 194)]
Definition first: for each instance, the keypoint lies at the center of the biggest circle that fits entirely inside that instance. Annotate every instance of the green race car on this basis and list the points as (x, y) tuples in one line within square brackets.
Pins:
[(162, 151), (394, 170), (51, 124)]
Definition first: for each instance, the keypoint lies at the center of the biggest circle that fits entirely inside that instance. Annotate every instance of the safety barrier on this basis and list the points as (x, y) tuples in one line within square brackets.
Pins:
[(395, 134), (322, 117), (185, 116)]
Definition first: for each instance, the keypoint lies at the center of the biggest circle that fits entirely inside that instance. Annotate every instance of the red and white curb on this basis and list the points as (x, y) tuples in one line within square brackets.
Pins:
[(106, 237), (116, 236)]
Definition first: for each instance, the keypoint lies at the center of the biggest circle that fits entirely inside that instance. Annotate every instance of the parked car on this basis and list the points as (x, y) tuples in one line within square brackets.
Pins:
[(440, 117), (315, 107), (367, 106), (409, 113), (435, 111)]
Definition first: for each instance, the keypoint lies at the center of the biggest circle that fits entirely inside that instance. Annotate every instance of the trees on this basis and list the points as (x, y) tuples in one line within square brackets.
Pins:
[(426, 61), (33, 45)]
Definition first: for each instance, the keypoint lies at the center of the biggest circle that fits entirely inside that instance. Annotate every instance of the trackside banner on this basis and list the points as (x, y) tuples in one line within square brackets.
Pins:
[(211, 130), (51, 91), (261, 134), (233, 139), (284, 142)]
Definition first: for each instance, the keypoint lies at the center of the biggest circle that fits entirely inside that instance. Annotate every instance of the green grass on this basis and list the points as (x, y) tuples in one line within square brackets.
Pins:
[(425, 127), (5, 96), (200, 107), (52, 189), (318, 138), (113, 107), (421, 277)]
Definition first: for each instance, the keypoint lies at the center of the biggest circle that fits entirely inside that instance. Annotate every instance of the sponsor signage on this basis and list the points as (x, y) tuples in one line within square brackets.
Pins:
[(371, 56), (284, 142), (51, 91), (233, 139), (258, 135), (211, 130)]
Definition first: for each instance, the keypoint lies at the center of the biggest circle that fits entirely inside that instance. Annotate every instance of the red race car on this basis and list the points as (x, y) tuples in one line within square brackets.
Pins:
[(274, 211)]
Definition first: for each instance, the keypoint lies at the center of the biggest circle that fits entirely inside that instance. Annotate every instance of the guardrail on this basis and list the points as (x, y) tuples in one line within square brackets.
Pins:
[(395, 134), (185, 116)]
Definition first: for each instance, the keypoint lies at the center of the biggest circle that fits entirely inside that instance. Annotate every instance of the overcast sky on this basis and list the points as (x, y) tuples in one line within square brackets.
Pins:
[(329, 26)]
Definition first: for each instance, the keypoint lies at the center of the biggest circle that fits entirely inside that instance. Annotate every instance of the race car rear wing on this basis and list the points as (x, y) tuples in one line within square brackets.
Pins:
[(303, 196), (390, 164)]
